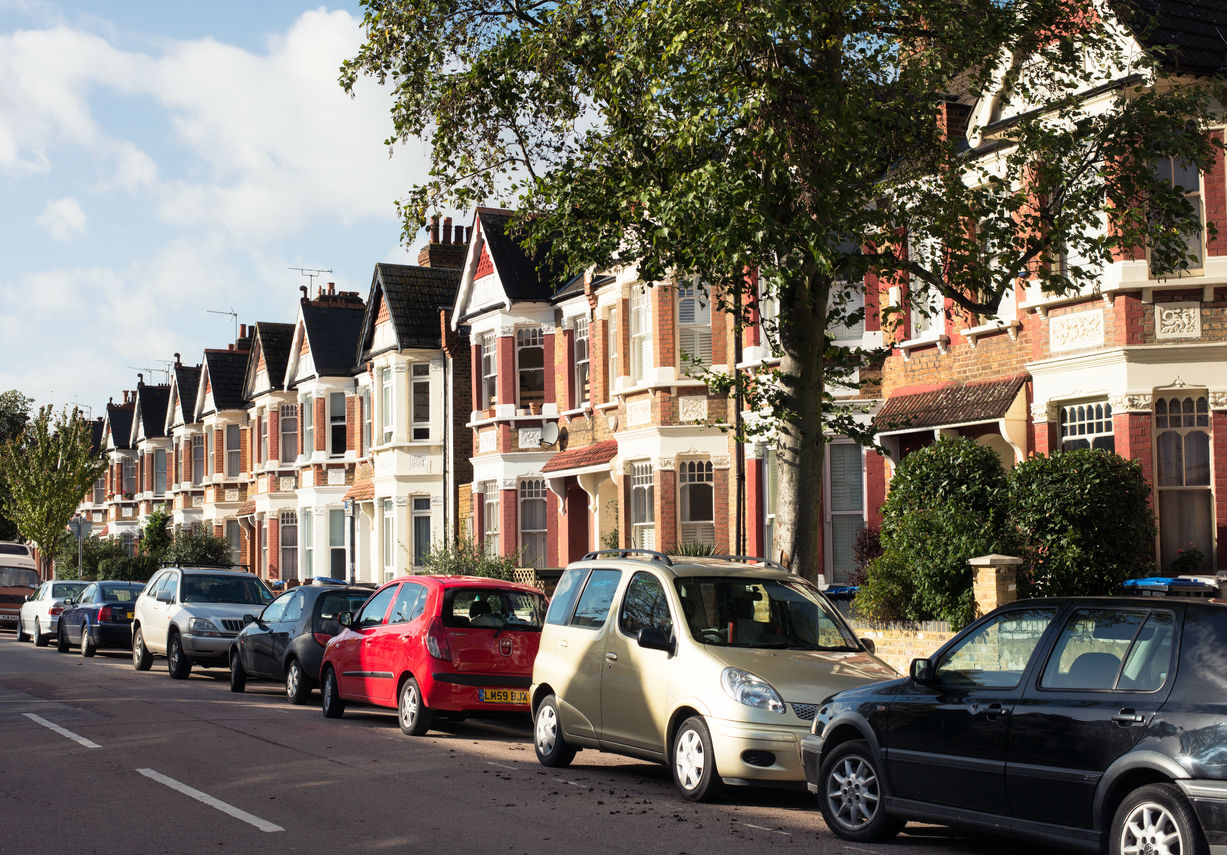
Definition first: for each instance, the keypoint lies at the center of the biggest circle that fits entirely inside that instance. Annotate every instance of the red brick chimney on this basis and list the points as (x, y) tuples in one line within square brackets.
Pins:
[(444, 250)]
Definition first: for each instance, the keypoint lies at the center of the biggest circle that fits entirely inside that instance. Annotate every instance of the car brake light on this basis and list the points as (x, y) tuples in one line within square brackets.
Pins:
[(322, 638), (104, 613), (436, 641), (56, 610)]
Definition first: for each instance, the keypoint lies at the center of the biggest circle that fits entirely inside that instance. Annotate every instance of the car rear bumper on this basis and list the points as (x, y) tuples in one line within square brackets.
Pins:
[(460, 692), (1209, 800), (117, 635), (757, 753)]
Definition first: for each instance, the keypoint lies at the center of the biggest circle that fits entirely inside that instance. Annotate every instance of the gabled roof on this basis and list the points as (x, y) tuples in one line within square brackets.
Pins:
[(328, 329), (414, 296), (221, 379), (97, 432), (1196, 31), (272, 342), (119, 425), (149, 420), (184, 382)]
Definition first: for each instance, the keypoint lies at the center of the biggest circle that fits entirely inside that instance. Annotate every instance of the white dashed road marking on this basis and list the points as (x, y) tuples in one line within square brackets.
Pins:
[(50, 725), (205, 798), (500, 765), (765, 828)]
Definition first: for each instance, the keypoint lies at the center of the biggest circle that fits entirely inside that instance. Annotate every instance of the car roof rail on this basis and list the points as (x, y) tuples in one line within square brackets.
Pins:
[(651, 555), (752, 559)]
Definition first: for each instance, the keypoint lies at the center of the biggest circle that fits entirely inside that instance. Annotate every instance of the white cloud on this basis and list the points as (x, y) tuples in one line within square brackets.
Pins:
[(63, 219)]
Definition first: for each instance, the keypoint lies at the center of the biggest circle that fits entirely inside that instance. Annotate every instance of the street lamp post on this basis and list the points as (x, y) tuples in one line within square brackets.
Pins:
[(80, 527)]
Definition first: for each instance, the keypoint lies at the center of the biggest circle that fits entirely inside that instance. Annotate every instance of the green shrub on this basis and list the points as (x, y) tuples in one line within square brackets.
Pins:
[(467, 558), (93, 552), (694, 550), (1084, 520), (196, 547), (134, 568), (885, 592), (156, 539)]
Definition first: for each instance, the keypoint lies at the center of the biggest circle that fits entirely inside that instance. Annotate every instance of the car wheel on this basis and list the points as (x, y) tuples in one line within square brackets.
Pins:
[(694, 762), (553, 750), (332, 704), (87, 646), (850, 795), (297, 683), (177, 663), (411, 709), (238, 677), (40, 640), (1156, 819), (142, 659), (21, 631), (61, 640)]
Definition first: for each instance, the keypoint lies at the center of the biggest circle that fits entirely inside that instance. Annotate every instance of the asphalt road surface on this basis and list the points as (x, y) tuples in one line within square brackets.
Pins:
[(98, 758)]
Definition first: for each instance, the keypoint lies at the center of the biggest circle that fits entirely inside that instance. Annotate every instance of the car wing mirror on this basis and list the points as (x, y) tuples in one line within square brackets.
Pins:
[(163, 597), (654, 638), (869, 646), (921, 670), (346, 619)]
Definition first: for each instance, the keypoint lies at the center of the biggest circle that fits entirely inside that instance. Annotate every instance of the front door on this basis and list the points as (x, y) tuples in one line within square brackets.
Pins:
[(946, 740), (1109, 671)]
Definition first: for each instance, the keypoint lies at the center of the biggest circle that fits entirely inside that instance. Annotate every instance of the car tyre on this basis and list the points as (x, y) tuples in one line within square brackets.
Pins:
[(238, 677), (142, 659), (61, 640), (40, 640), (297, 683), (850, 795), (88, 648), (694, 762), (21, 631), (1156, 818), (177, 663), (411, 711), (552, 748), (332, 704)]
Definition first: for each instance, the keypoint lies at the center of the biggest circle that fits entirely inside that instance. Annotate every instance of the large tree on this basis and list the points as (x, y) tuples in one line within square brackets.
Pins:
[(799, 141), (14, 413), (48, 469)]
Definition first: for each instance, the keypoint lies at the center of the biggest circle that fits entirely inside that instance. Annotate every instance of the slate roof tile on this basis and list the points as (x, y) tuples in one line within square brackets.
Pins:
[(951, 404)]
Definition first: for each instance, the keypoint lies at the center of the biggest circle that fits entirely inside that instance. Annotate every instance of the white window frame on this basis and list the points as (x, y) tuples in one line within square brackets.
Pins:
[(489, 371), (308, 427), (336, 542), (534, 542), (198, 458), (694, 339), (388, 541), (288, 431), (336, 424), (419, 512), (387, 408), (581, 363), (307, 522), (1192, 419), (419, 416), (612, 338), (233, 438), (1086, 424), (640, 334), (643, 506), (159, 471), (692, 477), (529, 339), (289, 545), (843, 504), (1165, 170), (490, 519), (128, 469)]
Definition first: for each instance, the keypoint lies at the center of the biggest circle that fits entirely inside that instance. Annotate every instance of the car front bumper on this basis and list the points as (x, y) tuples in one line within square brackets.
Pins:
[(1209, 800), (204, 649), (757, 753)]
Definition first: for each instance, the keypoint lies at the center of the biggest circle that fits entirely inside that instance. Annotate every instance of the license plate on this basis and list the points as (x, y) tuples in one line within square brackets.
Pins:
[(8, 618), (128, 615), (503, 696)]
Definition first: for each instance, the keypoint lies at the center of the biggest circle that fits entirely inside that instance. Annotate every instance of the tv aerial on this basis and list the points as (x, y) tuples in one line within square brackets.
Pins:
[(232, 313), (311, 273)]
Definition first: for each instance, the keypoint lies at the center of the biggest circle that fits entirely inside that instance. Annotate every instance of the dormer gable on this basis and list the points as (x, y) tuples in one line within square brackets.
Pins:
[(403, 308), (266, 364), (498, 271), (326, 335), (184, 384)]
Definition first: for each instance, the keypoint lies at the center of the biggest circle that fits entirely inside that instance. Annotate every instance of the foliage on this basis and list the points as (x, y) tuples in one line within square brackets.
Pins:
[(467, 558), (47, 470), (14, 414), (865, 549), (694, 549), (610, 539), (947, 504), (1085, 522), (155, 538), (1188, 561), (713, 138), (886, 592), (128, 568), (192, 546), (94, 550)]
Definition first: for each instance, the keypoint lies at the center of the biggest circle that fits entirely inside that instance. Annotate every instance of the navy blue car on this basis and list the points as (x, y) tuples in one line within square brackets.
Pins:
[(99, 617)]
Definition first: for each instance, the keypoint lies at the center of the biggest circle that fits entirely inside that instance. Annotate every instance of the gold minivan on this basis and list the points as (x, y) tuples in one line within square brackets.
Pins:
[(715, 666)]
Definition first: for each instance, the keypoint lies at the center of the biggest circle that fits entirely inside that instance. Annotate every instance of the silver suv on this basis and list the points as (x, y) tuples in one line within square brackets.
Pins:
[(190, 615)]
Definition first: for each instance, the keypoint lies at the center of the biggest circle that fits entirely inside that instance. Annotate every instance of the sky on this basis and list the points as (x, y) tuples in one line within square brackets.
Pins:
[(161, 162)]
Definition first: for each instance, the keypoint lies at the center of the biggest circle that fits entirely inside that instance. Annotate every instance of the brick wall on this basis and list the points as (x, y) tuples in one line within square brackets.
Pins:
[(899, 644)]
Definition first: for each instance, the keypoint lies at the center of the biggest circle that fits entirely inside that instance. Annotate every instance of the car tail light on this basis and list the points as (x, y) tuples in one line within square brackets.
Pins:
[(56, 610), (322, 638), (436, 641), (104, 613)]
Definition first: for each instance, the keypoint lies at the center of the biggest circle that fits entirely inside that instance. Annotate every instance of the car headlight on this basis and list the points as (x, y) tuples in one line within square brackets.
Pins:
[(751, 690), (202, 626)]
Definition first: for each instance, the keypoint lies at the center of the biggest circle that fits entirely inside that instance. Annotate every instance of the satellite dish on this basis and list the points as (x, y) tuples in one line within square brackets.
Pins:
[(549, 433)]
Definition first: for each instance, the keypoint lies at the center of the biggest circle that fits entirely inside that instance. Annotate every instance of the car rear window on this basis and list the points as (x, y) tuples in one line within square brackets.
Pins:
[(332, 604), (120, 593), (14, 549), (18, 577), (224, 589), (60, 590), (493, 608)]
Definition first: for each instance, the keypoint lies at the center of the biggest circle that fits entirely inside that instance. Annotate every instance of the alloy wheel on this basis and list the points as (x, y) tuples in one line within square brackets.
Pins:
[(853, 793), (1150, 829)]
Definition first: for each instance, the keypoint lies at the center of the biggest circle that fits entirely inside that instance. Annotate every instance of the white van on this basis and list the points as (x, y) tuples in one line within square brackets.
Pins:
[(18, 579)]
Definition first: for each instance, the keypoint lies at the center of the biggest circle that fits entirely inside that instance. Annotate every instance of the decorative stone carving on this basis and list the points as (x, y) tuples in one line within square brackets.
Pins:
[(1043, 411), (1076, 331), (418, 463), (288, 484), (508, 484), (436, 501), (506, 330), (1218, 400), (666, 463), (638, 412), (530, 437), (1177, 320), (232, 495), (487, 441), (547, 329), (1131, 403), (336, 477), (692, 408), (721, 462)]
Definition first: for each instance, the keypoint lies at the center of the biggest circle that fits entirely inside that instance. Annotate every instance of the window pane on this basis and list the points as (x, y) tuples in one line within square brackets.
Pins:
[(1170, 465), (1090, 649), (645, 606), (1150, 658), (1197, 459), (996, 654), (594, 602)]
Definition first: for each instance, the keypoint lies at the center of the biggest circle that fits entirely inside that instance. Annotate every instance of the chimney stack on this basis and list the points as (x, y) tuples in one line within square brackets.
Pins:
[(177, 358), (446, 250), (140, 379)]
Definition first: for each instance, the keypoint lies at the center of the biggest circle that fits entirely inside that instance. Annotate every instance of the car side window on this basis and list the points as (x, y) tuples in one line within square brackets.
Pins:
[(995, 654), (645, 605), (405, 608), (1106, 649), (156, 584), (373, 612), (275, 611), (593, 606), (171, 585), (568, 589), (41, 593), (293, 607), (87, 596)]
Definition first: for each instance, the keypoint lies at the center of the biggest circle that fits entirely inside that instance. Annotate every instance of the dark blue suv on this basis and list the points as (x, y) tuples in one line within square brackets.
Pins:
[(1096, 724)]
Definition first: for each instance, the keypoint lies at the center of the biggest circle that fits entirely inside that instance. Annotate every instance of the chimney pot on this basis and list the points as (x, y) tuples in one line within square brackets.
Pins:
[(177, 362), (332, 288), (447, 229), (434, 228), (140, 379), (303, 289), (242, 330)]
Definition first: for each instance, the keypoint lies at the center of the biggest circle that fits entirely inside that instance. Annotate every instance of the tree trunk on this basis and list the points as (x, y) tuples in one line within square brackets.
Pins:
[(801, 448)]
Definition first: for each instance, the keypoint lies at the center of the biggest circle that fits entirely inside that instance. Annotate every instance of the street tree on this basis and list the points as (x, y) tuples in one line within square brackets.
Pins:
[(14, 413), (804, 143), (48, 469)]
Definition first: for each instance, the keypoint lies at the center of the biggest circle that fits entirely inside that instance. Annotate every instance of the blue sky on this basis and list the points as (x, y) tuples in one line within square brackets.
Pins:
[(158, 160)]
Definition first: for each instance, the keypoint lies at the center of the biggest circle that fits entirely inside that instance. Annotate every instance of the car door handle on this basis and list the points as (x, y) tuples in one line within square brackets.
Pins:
[(611, 657), (562, 642), (1127, 717), (990, 711)]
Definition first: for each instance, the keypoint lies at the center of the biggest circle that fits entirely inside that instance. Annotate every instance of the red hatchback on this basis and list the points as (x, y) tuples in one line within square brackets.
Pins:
[(427, 644)]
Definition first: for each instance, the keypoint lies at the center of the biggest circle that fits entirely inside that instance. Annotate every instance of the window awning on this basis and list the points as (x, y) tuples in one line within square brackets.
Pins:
[(949, 405), (361, 491), (247, 509), (576, 460)]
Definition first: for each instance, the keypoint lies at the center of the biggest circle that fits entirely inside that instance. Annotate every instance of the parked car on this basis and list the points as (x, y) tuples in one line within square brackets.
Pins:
[(190, 615), (286, 642), (436, 644), (18, 580), (714, 666), (100, 616), (39, 615), (1092, 723)]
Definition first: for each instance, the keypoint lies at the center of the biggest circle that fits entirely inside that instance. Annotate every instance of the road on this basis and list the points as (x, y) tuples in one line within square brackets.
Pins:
[(98, 758)]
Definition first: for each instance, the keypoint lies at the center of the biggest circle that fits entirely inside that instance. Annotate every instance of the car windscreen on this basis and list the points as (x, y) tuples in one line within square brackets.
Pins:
[(199, 588), (14, 549), (18, 577), (493, 608), (64, 590), (761, 613), (121, 593)]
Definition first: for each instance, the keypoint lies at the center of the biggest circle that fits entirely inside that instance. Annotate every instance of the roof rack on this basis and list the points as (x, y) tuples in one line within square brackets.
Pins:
[(752, 559), (652, 555)]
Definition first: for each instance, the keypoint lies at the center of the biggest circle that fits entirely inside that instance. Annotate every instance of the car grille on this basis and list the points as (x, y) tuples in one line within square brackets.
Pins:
[(233, 626), (805, 712)]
